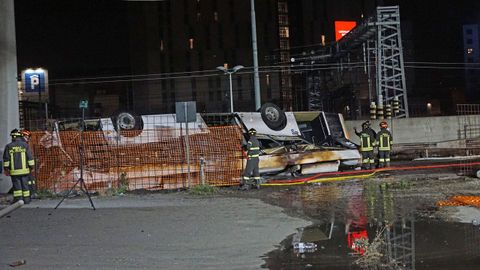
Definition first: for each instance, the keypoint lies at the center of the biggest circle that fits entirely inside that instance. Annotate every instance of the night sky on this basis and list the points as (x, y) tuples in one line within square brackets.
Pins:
[(72, 38), (84, 38)]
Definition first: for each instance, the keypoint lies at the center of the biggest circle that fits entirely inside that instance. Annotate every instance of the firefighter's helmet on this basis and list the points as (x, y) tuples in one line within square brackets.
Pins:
[(383, 124), (252, 131), (15, 133), (26, 133), (366, 124)]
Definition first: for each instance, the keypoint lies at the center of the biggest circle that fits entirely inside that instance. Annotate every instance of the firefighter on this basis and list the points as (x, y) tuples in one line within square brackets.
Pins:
[(17, 162), (31, 179), (384, 142), (367, 142), (251, 174)]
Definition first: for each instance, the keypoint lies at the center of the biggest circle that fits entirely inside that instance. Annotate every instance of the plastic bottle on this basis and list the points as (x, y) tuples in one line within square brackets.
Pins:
[(306, 245)]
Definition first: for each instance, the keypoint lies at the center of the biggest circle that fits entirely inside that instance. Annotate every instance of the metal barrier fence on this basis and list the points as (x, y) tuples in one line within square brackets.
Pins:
[(152, 159), (469, 129)]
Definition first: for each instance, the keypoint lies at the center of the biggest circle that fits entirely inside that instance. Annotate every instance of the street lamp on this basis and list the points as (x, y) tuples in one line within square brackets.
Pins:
[(230, 72)]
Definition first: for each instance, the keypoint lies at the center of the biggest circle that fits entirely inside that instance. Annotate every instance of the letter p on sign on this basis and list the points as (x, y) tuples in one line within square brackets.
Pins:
[(34, 81)]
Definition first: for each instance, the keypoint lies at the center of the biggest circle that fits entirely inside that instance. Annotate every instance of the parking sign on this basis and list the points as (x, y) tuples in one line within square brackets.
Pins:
[(35, 81)]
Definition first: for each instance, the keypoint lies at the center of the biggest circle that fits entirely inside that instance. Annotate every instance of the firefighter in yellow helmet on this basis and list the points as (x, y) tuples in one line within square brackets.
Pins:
[(251, 174), (32, 182), (384, 142), (367, 142), (17, 162)]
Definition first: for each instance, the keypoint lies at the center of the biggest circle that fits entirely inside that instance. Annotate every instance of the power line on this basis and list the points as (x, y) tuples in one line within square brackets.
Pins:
[(263, 69), (91, 81)]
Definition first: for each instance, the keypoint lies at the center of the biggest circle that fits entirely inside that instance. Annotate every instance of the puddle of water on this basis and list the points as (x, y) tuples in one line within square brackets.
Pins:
[(375, 226), (411, 245)]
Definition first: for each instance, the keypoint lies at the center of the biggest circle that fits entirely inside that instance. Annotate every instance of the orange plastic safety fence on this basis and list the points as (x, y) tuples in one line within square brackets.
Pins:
[(467, 200), (449, 203), (150, 159), (460, 200)]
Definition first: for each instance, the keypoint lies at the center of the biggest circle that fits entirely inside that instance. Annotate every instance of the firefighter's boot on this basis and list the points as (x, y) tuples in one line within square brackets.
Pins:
[(26, 196), (257, 183)]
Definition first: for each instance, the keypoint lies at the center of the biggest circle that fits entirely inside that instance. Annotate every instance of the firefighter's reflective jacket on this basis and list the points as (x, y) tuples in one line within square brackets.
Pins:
[(367, 139), (253, 147), (17, 157), (384, 140)]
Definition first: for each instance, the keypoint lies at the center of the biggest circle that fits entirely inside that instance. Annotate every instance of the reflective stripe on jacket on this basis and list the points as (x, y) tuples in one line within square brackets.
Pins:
[(17, 157), (253, 147), (366, 143), (385, 141), (367, 140)]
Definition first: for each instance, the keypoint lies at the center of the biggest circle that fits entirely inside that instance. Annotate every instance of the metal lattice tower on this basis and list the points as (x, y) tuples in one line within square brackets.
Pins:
[(400, 241), (378, 40), (389, 59)]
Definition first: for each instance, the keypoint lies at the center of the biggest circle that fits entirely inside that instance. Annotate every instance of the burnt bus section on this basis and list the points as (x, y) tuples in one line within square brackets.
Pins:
[(324, 129), (294, 142)]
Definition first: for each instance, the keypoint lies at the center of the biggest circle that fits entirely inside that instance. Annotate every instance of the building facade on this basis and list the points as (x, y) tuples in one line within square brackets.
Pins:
[(180, 44)]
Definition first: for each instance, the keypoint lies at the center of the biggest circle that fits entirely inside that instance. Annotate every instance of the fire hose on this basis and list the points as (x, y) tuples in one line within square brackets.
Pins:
[(5, 211), (339, 176)]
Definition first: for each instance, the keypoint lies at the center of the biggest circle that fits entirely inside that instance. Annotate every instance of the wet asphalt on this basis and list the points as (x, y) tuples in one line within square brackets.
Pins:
[(256, 229), (157, 231)]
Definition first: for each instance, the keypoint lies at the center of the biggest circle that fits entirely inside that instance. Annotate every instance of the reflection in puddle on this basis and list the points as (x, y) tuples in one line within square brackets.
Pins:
[(366, 226)]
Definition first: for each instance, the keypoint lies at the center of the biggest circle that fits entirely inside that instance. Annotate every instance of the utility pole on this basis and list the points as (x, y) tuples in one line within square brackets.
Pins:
[(229, 72), (258, 102)]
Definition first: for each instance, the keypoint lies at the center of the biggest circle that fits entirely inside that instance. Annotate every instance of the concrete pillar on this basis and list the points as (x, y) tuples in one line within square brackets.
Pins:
[(9, 118)]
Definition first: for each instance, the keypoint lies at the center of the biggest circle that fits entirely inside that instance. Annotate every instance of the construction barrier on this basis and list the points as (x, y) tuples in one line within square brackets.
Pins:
[(461, 200), (147, 159)]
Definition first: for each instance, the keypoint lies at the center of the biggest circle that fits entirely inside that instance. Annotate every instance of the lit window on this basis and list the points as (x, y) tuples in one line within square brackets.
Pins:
[(323, 40), (284, 32), (225, 65), (190, 43), (470, 50)]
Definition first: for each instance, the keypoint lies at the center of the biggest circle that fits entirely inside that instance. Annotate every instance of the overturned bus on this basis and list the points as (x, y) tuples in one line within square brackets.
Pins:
[(150, 149)]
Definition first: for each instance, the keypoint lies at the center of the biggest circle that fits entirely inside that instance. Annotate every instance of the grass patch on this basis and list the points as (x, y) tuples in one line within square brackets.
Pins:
[(203, 190), (122, 185), (45, 194)]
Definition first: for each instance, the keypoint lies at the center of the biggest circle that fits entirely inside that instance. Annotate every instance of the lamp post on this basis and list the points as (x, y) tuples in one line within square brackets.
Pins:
[(229, 72)]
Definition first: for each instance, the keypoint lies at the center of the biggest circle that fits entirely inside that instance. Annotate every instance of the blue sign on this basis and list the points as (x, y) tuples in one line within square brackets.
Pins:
[(35, 81), (83, 104)]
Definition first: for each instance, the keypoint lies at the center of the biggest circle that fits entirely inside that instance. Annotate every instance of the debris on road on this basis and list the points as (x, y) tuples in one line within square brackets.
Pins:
[(18, 263)]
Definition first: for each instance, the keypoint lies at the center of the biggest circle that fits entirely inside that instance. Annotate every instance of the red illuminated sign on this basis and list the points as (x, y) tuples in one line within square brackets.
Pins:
[(342, 28)]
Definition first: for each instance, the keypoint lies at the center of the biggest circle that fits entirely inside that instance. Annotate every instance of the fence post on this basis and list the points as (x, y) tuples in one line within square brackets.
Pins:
[(202, 170)]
